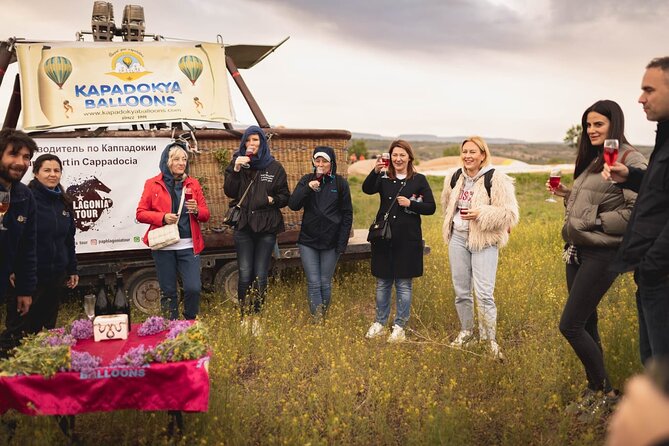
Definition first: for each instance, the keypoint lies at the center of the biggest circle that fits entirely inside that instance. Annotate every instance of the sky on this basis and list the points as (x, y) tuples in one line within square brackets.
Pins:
[(520, 69)]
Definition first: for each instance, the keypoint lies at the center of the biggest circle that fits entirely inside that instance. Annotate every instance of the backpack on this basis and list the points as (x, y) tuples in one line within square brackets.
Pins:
[(487, 179)]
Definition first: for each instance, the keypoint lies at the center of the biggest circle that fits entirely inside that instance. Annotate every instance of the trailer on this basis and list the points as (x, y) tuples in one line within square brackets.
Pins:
[(107, 158)]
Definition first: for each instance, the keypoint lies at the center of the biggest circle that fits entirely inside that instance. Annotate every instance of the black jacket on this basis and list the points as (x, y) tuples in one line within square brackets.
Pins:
[(17, 243), (645, 245), (55, 234), (328, 213), (402, 257), (257, 214)]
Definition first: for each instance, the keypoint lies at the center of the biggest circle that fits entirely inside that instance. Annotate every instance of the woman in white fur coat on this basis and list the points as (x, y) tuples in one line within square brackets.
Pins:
[(477, 222)]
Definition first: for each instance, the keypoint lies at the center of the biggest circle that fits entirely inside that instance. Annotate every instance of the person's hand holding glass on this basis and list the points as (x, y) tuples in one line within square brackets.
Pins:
[(385, 158), (553, 185), (611, 147)]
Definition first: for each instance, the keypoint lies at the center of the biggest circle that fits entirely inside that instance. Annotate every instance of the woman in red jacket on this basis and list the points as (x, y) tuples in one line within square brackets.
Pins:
[(158, 207)]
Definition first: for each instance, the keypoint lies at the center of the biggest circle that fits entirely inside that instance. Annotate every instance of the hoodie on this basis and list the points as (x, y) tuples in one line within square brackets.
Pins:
[(328, 213)]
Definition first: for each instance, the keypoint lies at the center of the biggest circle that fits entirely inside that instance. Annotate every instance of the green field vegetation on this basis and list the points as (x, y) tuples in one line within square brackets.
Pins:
[(305, 383), (533, 153)]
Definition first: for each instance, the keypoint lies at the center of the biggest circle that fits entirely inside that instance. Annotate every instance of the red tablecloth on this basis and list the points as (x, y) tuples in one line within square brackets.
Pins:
[(180, 385)]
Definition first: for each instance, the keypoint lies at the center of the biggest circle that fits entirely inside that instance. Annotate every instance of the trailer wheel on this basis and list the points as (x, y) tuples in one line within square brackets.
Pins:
[(226, 279), (143, 288)]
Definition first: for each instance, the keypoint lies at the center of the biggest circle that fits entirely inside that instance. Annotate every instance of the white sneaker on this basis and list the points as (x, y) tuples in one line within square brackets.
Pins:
[(463, 338), (375, 330), (398, 334), (496, 351)]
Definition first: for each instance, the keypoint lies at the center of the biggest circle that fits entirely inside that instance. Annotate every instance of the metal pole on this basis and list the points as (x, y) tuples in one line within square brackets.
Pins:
[(14, 108), (6, 50), (253, 105)]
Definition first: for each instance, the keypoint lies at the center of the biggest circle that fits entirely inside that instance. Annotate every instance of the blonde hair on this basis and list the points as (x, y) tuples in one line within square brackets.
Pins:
[(483, 147), (173, 153)]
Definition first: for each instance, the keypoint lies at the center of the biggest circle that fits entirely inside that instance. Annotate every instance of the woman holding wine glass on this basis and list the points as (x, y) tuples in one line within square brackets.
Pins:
[(405, 195), (596, 217), (159, 206), (477, 222), (260, 220), (326, 225)]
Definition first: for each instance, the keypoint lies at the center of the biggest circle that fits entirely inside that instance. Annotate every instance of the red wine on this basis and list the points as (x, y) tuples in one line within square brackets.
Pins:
[(554, 182), (188, 195), (610, 156), (4, 207), (386, 162), (464, 211)]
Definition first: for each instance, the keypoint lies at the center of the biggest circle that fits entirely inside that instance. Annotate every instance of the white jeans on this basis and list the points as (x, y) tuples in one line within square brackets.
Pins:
[(479, 267)]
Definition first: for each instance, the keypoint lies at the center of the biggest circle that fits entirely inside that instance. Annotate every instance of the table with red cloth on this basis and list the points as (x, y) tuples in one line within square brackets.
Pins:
[(171, 386)]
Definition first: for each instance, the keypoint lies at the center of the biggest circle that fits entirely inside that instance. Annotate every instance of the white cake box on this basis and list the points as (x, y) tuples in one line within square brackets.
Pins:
[(113, 326)]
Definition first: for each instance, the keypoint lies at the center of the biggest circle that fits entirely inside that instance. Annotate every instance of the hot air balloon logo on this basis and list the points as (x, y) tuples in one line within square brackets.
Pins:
[(191, 66), (128, 66), (58, 69)]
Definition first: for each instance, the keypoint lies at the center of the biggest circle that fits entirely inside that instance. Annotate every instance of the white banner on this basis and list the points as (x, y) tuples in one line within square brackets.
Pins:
[(105, 177), (93, 83)]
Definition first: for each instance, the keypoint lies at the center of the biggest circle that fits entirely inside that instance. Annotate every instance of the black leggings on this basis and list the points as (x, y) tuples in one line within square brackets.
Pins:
[(587, 283)]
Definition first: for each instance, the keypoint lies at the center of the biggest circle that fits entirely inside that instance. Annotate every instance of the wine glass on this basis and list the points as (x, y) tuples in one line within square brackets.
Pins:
[(611, 147), (385, 158), (463, 206), (319, 177), (249, 153), (554, 183), (4, 207), (89, 306), (188, 195)]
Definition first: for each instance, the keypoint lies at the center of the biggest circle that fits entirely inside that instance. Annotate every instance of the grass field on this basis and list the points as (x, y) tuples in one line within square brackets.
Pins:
[(305, 383)]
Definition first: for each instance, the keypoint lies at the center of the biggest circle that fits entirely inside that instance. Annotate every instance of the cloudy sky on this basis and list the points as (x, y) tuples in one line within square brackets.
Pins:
[(523, 69)]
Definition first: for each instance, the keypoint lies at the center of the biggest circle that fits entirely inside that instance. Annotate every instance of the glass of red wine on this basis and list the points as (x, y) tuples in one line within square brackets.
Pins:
[(554, 183), (463, 206), (4, 207), (611, 147), (319, 177), (385, 158), (188, 195), (249, 153)]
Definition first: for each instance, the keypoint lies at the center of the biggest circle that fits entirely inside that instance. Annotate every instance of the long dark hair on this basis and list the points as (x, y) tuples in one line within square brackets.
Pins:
[(406, 146), (586, 151), (37, 165)]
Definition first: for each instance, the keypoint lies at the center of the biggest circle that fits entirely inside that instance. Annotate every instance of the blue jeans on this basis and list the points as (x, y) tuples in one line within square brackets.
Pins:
[(384, 295), (652, 301), (254, 253), (480, 269), (187, 264), (319, 266)]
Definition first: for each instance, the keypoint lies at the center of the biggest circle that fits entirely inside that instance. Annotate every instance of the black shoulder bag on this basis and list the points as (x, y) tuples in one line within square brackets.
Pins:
[(380, 230), (234, 213)]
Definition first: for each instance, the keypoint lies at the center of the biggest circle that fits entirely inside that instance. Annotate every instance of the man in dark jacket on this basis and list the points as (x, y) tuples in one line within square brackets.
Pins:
[(645, 246), (17, 242)]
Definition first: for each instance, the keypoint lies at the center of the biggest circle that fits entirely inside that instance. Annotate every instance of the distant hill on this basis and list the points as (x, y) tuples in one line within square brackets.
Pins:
[(430, 138)]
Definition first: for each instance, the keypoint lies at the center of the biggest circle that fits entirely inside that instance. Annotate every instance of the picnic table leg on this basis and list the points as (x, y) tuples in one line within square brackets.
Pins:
[(176, 419)]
